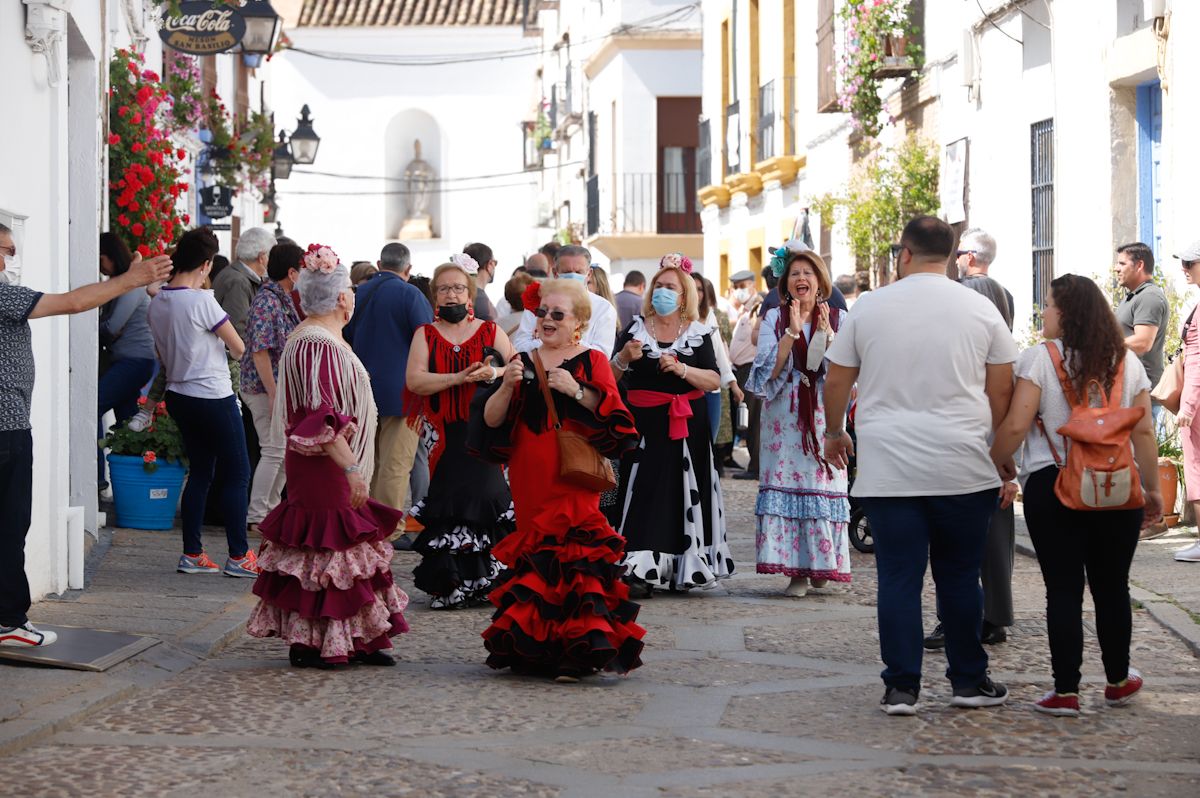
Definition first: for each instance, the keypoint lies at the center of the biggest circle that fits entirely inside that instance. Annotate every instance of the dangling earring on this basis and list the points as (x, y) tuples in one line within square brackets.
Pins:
[(437, 312), (578, 336), (470, 311)]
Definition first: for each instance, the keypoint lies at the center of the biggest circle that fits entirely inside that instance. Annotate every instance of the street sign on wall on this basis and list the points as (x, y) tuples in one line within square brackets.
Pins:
[(216, 202), (202, 27)]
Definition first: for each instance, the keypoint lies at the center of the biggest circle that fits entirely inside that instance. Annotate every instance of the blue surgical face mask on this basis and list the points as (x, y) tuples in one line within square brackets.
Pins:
[(573, 276), (664, 301)]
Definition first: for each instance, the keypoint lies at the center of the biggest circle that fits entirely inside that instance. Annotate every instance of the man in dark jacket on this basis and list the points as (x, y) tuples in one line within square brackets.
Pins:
[(388, 311)]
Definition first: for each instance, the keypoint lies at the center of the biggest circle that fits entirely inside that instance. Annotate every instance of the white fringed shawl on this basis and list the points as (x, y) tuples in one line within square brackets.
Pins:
[(299, 385)]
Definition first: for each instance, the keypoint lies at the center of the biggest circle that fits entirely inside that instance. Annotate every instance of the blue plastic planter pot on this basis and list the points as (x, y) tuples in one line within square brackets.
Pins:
[(145, 499)]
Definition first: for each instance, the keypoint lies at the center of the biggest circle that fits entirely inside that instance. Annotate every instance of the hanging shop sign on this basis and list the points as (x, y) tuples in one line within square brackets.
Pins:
[(216, 202), (203, 27)]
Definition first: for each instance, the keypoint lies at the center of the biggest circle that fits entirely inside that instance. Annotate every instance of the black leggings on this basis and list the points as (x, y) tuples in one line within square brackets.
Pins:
[(1070, 543)]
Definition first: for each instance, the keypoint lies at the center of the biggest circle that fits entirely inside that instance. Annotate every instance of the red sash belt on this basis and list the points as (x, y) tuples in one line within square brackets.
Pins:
[(679, 412)]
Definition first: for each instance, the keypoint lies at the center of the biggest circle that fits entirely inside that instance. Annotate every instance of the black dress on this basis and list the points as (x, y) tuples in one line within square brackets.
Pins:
[(672, 514)]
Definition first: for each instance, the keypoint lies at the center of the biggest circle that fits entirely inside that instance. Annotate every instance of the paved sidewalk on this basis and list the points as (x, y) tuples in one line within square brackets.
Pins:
[(744, 693), (1169, 590), (132, 586)]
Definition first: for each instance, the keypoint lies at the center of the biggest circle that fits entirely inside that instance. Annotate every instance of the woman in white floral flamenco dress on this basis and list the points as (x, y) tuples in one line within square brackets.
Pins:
[(326, 583), (802, 507)]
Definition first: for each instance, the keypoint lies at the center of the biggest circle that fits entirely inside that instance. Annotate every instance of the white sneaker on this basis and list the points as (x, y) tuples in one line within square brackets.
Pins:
[(1190, 554), (25, 636)]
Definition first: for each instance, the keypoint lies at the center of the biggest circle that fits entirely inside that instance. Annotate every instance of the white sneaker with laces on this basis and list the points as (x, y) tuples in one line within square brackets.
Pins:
[(1190, 554), (26, 636)]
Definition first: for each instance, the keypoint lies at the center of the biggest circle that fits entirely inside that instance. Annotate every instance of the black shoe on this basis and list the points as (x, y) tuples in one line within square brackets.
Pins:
[(639, 588), (936, 638), (380, 658), (308, 658), (403, 543), (746, 475), (992, 634), (899, 702), (985, 694)]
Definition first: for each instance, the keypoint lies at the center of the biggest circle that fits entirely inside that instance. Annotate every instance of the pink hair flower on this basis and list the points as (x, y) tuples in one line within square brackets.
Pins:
[(320, 258), (676, 260)]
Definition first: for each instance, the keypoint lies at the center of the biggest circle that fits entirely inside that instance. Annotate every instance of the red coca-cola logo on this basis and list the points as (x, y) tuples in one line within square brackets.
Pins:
[(202, 28)]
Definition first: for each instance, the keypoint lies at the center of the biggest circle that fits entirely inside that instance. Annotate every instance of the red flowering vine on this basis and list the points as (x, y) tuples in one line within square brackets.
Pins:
[(144, 178)]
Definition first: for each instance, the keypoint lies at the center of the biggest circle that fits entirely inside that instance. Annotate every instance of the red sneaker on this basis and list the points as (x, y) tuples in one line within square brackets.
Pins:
[(1118, 695), (1063, 705)]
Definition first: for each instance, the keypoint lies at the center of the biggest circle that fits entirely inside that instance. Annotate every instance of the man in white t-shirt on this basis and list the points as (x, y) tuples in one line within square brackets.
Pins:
[(574, 262), (933, 361)]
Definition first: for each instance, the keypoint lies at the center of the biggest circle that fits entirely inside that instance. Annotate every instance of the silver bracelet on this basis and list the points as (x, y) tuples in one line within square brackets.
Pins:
[(352, 469), (616, 359), (833, 434), (684, 375)]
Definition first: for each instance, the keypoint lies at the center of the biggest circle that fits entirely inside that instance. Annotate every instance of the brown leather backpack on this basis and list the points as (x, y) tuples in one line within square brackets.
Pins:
[(1100, 472)]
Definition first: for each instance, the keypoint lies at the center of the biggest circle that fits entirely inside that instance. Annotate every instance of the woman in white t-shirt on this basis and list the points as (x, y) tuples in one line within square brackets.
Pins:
[(191, 333), (1071, 543)]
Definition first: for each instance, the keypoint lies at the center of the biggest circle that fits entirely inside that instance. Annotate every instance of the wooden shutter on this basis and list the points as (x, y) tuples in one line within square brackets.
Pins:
[(826, 77)]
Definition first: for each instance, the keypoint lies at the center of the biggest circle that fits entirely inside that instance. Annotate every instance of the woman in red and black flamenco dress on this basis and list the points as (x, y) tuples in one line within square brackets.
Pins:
[(468, 506), (564, 611), (326, 581)]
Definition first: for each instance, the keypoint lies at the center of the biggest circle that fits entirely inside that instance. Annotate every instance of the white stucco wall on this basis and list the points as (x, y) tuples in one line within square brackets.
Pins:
[(476, 107)]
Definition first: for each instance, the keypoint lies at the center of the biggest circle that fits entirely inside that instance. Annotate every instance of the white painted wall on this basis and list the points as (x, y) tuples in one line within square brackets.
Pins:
[(477, 109)]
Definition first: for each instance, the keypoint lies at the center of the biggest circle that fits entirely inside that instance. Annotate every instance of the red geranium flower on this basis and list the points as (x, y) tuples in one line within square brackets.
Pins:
[(113, 139), (137, 229), (143, 250), (149, 457)]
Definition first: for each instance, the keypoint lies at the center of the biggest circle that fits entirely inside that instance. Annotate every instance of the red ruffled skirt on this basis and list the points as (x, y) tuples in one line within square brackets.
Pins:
[(326, 581), (565, 608)]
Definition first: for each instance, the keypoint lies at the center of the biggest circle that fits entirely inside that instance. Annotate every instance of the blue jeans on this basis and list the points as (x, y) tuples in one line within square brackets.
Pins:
[(118, 391), (949, 532), (213, 438)]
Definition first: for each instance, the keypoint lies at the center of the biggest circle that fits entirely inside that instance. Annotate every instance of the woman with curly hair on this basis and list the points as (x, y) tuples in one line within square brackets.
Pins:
[(1085, 341)]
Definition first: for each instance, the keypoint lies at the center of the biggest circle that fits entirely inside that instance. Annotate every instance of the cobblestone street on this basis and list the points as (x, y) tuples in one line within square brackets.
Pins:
[(744, 692)]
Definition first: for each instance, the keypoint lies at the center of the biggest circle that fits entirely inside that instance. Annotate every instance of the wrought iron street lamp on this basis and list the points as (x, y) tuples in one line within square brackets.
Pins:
[(281, 160), (304, 139), (263, 27)]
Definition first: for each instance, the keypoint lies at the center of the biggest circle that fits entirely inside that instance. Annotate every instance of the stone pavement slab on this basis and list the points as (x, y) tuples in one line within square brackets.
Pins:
[(744, 692)]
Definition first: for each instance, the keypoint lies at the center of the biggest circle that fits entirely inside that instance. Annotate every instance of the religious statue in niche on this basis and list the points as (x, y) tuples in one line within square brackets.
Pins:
[(418, 186)]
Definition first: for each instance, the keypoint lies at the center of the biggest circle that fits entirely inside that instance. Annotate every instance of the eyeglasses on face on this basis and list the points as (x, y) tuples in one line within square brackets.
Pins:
[(962, 252), (1188, 264), (556, 315), (446, 290), (896, 249), (10, 251)]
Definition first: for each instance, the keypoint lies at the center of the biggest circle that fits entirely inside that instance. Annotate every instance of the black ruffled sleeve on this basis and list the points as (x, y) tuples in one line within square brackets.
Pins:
[(493, 444), (610, 427)]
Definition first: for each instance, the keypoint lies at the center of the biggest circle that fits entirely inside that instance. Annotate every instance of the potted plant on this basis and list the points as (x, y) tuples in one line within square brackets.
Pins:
[(1170, 469), (148, 468), (878, 44)]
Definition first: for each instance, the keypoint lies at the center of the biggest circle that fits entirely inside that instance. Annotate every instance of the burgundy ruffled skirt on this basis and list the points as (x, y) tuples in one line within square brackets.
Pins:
[(326, 581)]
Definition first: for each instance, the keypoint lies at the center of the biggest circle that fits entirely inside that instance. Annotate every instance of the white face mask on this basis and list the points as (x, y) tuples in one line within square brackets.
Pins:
[(742, 295)]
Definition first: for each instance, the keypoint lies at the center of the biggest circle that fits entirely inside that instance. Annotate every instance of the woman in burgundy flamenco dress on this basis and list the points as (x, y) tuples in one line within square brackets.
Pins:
[(565, 611), (326, 582)]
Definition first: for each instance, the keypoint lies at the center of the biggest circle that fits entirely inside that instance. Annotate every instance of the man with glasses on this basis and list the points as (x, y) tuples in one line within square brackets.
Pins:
[(18, 305), (387, 313), (482, 253), (8, 252), (573, 263), (976, 252), (931, 388), (1144, 311)]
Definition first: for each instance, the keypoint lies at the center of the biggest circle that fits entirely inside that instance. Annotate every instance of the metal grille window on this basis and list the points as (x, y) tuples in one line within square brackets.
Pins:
[(593, 205), (704, 155), (1041, 148), (766, 121)]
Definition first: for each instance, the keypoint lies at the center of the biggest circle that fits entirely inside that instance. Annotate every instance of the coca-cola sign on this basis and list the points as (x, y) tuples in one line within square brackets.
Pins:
[(202, 27)]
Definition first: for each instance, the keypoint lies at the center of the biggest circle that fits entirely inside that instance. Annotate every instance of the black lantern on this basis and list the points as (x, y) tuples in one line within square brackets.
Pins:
[(279, 231), (281, 160), (270, 206), (304, 139), (263, 27)]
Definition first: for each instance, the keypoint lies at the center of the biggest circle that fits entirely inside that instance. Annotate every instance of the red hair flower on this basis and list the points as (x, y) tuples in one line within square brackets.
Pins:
[(531, 299)]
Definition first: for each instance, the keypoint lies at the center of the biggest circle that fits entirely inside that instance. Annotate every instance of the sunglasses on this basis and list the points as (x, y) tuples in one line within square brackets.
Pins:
[(962, 252), (1188, 264), (556, 315), (896, 249)]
